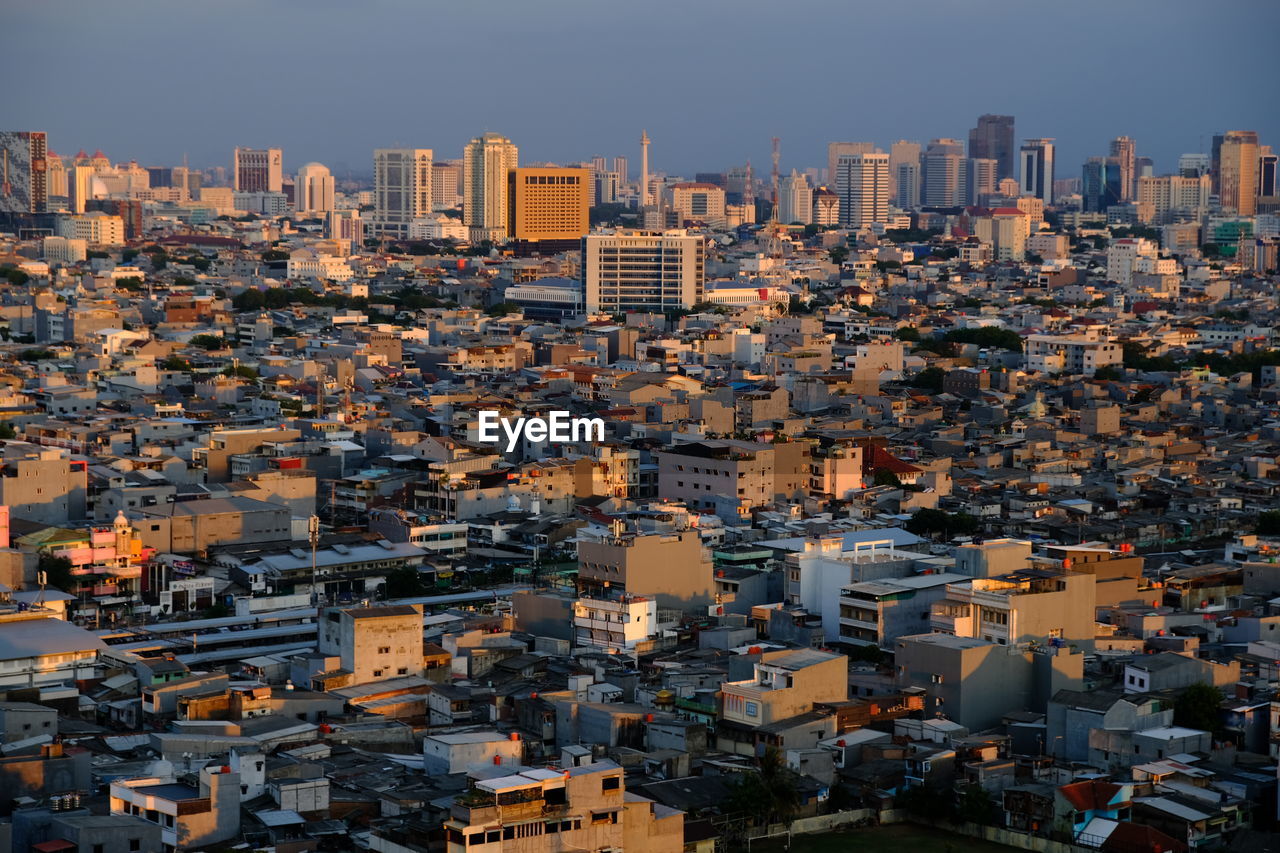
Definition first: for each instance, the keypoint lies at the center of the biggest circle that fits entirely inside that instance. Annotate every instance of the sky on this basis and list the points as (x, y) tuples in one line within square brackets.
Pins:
[(710, 80)]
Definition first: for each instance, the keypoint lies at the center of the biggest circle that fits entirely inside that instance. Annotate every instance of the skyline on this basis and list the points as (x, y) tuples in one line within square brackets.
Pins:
[(701, 116)]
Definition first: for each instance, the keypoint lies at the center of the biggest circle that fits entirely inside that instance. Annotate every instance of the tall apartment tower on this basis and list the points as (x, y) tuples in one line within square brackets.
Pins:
[(992, 139), (943, 169), (1035, 173), (631, 270), (486, 162), (795, 199), (401, 188), (313, 189), (862, 183), (446, 184), (24, 172), (621, 167), (1125, 151), (1238, 172), (258, 170), (904, 174), (835, 150), (981, 178)]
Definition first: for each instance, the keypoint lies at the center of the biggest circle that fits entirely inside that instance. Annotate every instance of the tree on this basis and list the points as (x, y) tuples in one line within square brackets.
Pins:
[(275, 255), (132, 283), (838, 255), (35, 355), (930, 378), (930, 522), (405, 582), (16, 276), (175, 362), (973, 804), (1268, 523), (907, 333), (57, 570), (207, 342), (7, 431), (769, 792), (502, 309), (986, 336), (1108, 372), (1199, 707)]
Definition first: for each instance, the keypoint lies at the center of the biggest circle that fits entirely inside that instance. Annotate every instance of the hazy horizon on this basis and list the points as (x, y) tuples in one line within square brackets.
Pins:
[(711, 81)]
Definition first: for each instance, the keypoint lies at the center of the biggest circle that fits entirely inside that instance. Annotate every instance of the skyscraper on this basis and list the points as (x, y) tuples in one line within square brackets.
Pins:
[(628, 270), (1035, 175), (1238, 172), (549, 204), (446, 183), (1267, 166), (486, 162), (795, 199), (981, 178), (904, 174), (1193, 165), (862, 183), (258, 170), (621, 168), (943, 173), (1124, 150), (1101, 183), (401, 188), (24, 179), (836, 149), (79, 187), (992, 139), (313, 189)]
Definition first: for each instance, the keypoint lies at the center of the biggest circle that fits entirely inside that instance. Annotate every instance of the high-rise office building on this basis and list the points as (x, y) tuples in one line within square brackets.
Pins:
[(446, 186), (487, 161), (79, 187), (862, 183), (795, 199), (56, 176), (1125, 152), (838, 149), (992, 139), (258, 170), (981, 178), (698, 203), (1194, 165), (548, 204), (943, 173), (344, 225), (1267, 178), (1102, 183), (401, 188), (620, 167), (1173, 198), (313, 189), (904, 174), (1238, 172), (24, 172), (826, 207), (630, 270), (1035, 174)]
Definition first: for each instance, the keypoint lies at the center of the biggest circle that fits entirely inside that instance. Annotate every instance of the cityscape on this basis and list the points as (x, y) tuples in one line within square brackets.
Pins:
[(653, 489)]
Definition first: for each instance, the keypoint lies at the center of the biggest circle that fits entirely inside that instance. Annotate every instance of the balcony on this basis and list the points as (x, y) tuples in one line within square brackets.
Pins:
[(952, 618)]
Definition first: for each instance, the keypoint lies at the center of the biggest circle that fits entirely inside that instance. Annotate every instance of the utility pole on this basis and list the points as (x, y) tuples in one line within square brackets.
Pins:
[(313, 534)]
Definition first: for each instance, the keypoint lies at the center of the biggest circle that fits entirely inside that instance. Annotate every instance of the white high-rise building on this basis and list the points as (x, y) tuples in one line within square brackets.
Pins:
[(256, 170), (487, 160), (795, 199), (836, 150), (862, 183), (80, 187), (630, 270), (401, 188), (944, 173), (1035, 173), (904, 173), (313, 189), (981, 176)]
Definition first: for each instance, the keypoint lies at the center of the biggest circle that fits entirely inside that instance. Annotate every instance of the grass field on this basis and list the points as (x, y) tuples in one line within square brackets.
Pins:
[(899, 838)]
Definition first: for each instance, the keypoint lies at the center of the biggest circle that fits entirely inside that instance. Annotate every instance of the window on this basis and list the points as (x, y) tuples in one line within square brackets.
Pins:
[(611, 783), (377, 673), (384, 650), (99, 848), (135, 843), (753, 709)]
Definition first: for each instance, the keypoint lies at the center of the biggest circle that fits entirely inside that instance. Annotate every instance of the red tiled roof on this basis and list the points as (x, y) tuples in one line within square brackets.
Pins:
[(1136, 838), (1090, 794)]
